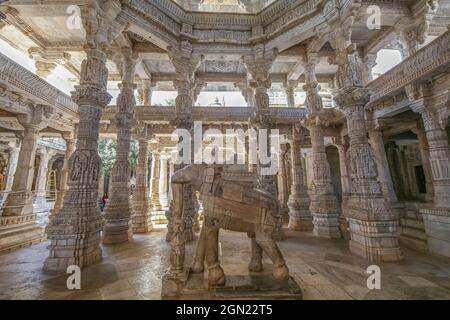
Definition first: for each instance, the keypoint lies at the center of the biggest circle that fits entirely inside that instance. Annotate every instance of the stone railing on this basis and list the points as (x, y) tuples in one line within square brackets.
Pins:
[(213, 114), (424, 63), (40, 91)]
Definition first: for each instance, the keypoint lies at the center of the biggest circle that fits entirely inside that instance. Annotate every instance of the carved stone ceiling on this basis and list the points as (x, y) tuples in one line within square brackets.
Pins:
[(230, 6)]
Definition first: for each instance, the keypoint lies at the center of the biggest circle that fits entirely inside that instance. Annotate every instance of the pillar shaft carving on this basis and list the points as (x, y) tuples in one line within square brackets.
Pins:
[(298, 203), (141, 210), (156, 204), (384, 175), (366, 209), (118, 226), (75, 230), (19, 200), (186, 62), (70, 147), (439, 150)]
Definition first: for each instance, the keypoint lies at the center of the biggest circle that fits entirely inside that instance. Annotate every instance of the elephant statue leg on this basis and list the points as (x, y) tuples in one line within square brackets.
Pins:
[(268, 245), (216, 276), (255, 264), (198, 265)]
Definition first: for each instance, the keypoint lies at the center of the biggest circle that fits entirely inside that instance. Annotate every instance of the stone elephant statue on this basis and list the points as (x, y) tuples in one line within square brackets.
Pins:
[(231, 202)]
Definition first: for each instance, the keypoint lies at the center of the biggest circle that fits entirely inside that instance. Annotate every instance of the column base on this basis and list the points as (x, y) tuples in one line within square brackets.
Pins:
[(62, 259), (18, 204), (75, 234), (19, 231), (117, 231), (141, 223), (437, 229), (375, 240), (300, 224), (326, 225), (158, 217)]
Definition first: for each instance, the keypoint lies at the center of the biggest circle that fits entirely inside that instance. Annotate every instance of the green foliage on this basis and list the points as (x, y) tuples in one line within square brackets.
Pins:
[(107, 151), (133, 157)]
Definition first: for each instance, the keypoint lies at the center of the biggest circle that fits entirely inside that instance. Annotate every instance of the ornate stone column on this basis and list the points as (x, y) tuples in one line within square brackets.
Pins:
[(247, 93), (258, 65), (384, 175), (186, 63), (13, 157), (368, 63), (282, 181), (19, 201), (345, 178), (141, 210), (425, 155), (163, 181), (41, 178), (289, 88), (18, 220), (75, 231), (372, 224), (70, 147), (439, 157), (436, 216), (156, 170), (118, 226), (298, 203), (324, 206)]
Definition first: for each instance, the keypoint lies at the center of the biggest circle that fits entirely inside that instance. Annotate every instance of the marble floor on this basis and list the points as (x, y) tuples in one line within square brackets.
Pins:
[(325, 269)]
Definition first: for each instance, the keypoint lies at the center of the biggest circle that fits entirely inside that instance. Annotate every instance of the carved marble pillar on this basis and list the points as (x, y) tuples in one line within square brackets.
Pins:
[(75, 230), (42, 174), (373, 224), (298, 203), (13, 158), (289, 88), (141, 210), (180, 213), (368, 63), (19, 200), (118, 226), (425, 155), (384, 175), (439, 150), (18, 221), (282, 181), (156, 170), (163, 183), (324, 205), (70, 147), (345, 178), (258, 65)]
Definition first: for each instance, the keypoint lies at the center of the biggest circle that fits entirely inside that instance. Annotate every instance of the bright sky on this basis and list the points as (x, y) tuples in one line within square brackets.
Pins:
[(59, 78)]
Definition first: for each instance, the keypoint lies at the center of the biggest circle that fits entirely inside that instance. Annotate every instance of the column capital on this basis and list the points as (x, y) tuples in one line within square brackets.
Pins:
[(184, 60), (258, 65), (37, 118)]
